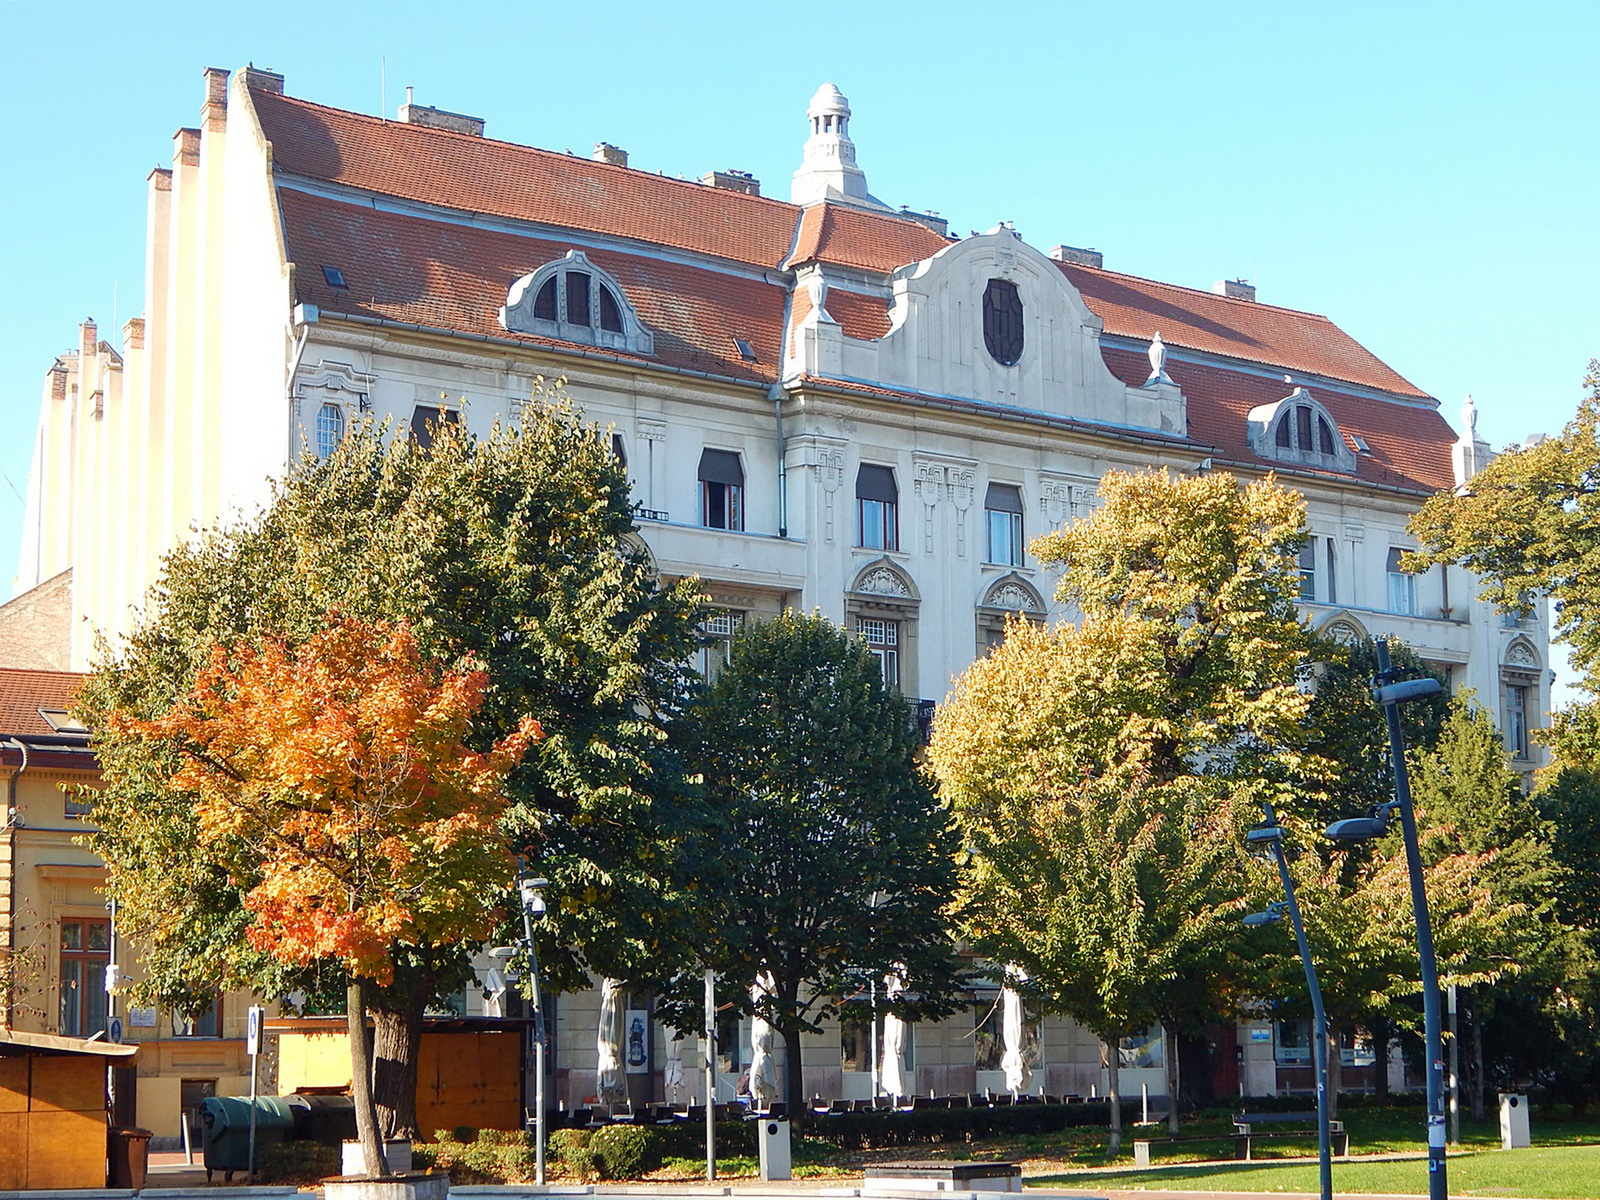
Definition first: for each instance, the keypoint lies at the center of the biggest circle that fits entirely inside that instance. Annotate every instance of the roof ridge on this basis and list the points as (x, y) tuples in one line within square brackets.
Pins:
[(558, 155), (1183, 287)]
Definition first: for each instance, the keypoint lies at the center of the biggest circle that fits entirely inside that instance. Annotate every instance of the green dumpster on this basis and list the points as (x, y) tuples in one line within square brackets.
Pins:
[(225, 1125)]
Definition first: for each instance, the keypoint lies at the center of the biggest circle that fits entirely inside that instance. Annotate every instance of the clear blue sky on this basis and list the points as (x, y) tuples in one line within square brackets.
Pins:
[(1424, 174)]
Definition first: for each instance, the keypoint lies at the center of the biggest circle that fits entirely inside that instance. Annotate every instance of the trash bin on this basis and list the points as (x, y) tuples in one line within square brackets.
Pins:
[(327, 1120), (225, 1124), (774, 1143), (1514, 1133), (128, 1151)]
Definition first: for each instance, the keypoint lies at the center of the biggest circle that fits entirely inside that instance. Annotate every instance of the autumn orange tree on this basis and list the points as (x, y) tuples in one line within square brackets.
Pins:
[(334, 778)]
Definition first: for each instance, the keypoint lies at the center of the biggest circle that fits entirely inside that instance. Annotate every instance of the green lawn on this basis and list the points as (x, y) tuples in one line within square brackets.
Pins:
[(1552, 1172)]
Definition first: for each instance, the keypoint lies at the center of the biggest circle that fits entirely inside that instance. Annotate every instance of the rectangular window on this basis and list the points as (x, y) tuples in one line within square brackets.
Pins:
[(426, 419), (85, 955), (1003, 515), (883, 638), (1308, 570), (1293, 1043), (1143, 1050), (855, 1045), (207, 1024), (877, 508), (720, 624), (1402, 587), (721, 490), (1516, 732), (1333, 587)]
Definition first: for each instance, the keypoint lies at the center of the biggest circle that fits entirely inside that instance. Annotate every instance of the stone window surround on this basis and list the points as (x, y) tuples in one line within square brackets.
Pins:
[(517, 314)]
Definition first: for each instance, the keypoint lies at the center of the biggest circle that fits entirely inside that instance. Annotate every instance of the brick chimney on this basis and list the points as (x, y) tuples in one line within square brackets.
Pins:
[(1083, 258), (1235, 289), (438, 118), (263, 80), (607, 153), (733, 181)]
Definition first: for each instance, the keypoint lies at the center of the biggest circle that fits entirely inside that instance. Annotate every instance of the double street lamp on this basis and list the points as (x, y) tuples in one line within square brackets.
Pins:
[(1391, 692), (1266, 841), (530, 892)]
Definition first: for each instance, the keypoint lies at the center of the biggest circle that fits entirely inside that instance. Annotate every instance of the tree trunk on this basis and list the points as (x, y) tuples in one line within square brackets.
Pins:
[(1169, 1055), (1111, 1059), (1335, 1070), (1475, 1070), (397, 1045), (794, 1081), (1381, 1038), (372, 1160)]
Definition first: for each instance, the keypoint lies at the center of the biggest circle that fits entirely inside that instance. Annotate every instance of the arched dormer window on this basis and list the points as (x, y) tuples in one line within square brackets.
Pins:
[(1298, 429), (575, 301)]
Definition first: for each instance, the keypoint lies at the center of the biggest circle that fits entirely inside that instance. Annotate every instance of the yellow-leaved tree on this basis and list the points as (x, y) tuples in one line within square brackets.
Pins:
[(1098, 768), (335, 778)]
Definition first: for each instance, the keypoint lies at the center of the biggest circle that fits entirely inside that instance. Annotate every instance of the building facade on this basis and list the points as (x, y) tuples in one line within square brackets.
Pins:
[(822, 403)]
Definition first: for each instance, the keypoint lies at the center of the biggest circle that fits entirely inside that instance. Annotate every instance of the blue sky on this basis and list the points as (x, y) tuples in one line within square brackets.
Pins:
[(1424, 174)]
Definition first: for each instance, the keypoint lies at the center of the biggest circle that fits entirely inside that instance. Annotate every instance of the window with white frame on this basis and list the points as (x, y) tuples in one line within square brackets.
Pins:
[(85, 955), (720, 626), (1002, 510), (1316, 571), (1402, 585), (877, 508), (330, 429), (883, 639), (1516, 708), (721, 490)]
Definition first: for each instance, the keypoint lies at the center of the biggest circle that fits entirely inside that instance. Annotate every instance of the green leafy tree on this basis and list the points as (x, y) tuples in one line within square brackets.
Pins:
[(1102, 772), (830, 856), (515, 551)]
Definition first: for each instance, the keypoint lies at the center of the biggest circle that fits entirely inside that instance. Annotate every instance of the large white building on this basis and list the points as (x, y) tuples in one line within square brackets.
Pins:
[(824, 402)]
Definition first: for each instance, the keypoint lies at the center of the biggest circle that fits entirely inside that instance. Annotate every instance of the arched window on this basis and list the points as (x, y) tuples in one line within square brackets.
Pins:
[(574, 300), (1298, 429), (330, 429), (1002, 321)]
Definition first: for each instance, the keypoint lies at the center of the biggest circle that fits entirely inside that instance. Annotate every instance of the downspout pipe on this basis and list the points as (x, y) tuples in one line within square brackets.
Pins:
[(9, 828)]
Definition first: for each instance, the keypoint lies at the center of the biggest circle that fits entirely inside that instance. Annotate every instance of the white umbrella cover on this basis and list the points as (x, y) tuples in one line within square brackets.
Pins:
[(672, 1077), (1012, 1062), (610, 1085), (892, 1071), (763, 1077)]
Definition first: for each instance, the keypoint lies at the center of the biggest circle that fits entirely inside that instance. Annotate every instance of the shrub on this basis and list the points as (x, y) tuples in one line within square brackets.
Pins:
[(570, 1148), (625, 1151), (296, 1162)]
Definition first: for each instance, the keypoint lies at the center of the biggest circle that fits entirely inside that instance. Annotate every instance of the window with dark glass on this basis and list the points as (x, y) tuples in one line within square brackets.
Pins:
[(544, 304), (721, 490), (1516, 732), (1003, 512), (1300, 428), (207, 1023), (85, 955), (1002, 321), (426, 420), (577, 298), (877, 508), (619, 450), (610, 313)]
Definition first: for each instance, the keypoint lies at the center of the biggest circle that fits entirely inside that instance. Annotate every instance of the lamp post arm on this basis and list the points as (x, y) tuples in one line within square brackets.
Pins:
[(1319, 1021)]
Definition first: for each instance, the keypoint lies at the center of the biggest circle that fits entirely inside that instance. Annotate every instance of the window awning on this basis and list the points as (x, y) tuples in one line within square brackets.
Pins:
[(876, 483), (1004, 497), (721, 466)]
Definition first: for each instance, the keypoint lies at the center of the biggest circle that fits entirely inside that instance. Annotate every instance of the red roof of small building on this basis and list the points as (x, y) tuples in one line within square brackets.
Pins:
[(851, 237), (23, 693)]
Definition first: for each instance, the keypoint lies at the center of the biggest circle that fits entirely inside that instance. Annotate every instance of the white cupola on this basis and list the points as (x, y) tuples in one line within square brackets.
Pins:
[(829, 171)]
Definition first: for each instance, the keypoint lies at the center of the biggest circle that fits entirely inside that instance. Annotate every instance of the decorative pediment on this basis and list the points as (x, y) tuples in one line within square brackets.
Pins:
[(1522, 655), (1344, 628), (1013, 593), (884, 577)]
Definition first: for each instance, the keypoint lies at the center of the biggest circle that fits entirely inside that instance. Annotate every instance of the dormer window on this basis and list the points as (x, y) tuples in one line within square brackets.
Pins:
[(1298, 429), (573, 300)]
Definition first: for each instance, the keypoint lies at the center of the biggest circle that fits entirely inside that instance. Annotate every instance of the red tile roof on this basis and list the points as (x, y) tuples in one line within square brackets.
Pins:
[(1410, 443), (850, 237), (24, 693), (475, 174), (455, 277), (858, 315), (1244, 329)]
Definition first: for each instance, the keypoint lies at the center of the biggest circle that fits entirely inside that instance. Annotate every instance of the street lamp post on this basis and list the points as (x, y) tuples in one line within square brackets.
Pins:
[(1267, 839), (531, 893), (1391, 692)]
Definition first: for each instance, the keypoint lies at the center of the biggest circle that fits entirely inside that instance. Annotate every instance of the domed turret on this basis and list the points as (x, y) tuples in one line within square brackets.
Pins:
[(829, 171)]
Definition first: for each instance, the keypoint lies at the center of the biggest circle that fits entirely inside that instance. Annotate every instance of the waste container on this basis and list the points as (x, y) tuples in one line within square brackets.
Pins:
[(225, 1124), (1514, 1132), (328, 1120), (774, 1143), (128, 1151)]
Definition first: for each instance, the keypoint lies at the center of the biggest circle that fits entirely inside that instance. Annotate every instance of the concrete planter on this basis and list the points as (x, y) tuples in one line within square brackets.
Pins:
[(413, 1185), (396, 1153)]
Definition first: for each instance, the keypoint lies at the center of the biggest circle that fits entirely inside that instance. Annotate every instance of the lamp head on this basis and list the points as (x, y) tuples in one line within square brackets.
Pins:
[(1406, 689), (503, 952), (1358, 829), (533, 895), (1273, 914)]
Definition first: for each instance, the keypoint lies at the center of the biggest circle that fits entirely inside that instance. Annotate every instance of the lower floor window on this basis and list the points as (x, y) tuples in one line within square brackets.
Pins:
[(883, 639), (85, 955)]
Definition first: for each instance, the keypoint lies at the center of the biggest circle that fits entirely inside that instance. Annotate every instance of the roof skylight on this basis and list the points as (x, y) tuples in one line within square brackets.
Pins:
[(335, 277)]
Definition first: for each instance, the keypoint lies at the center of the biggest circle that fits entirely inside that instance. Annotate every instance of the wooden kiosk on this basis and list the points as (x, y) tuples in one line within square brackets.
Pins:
[(53, 1110)]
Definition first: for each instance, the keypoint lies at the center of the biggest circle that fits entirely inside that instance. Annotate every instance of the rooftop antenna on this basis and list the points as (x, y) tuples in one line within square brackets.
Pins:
[(383, 88)]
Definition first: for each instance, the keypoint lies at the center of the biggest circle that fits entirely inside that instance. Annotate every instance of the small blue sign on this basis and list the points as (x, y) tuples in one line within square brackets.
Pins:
[(114, 1031)]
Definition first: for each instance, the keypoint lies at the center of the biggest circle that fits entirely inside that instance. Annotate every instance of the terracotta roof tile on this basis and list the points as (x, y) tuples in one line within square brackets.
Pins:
[(475, 174), (24, 693), (455, 277), (860, 316), (1244, 329), (1410, 444), (850, 237)]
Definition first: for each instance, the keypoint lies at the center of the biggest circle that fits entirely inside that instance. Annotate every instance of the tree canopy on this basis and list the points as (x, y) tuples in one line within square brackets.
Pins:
[(515, 551), (830, 858)]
